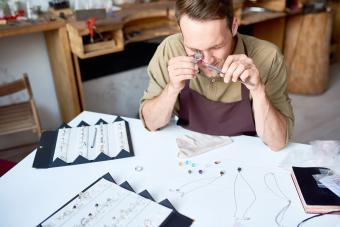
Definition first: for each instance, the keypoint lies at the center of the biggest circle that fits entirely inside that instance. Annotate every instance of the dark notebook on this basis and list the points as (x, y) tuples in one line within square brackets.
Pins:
[(314, 198)]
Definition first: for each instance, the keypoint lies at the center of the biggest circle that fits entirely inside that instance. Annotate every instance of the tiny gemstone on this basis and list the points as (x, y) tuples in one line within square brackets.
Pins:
[(189, 171), (180, 163), (74, 207), (139, 168), (222, 173), (193, 164), (239, 169), (96, 205), (200, 171), (186, 162), (90, 214)]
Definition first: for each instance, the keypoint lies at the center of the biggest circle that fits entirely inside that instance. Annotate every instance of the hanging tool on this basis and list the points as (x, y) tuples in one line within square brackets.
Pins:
[(90, 23), (91, 26)]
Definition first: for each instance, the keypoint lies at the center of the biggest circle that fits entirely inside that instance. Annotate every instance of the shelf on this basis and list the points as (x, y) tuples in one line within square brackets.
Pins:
[(13, 28)]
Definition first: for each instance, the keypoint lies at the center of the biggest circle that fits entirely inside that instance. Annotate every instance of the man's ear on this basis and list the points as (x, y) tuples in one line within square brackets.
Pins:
[(234, 27)]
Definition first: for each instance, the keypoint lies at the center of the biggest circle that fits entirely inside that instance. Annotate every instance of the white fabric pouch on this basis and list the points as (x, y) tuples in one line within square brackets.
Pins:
[(197, 143)]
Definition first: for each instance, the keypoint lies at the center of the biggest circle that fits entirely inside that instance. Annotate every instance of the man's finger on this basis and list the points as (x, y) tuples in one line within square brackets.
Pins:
[(179, 72), (175, 60), (233, 58), (229, 73), (238, 71), (183, 65), (185, 77)]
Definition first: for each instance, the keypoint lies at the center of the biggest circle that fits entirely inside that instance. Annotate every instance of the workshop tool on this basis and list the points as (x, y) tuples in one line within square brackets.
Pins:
[(90, 23), (198, 59), (91, 26)]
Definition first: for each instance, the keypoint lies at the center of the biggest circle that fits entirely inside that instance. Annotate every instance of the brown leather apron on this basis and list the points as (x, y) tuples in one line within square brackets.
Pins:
[(200, 114)]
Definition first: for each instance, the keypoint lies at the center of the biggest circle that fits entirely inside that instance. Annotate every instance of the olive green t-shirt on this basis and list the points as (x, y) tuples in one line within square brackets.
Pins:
[(266, 56)]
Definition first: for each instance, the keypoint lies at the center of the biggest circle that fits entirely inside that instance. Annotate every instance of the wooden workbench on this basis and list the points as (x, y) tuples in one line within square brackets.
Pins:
[(65, 66), (268, 26)]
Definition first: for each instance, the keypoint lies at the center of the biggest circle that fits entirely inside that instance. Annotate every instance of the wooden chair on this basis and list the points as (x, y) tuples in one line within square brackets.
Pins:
[(21, 116)]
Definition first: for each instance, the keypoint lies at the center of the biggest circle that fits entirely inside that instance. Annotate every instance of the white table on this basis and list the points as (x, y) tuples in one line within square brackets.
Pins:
[(28, 195)]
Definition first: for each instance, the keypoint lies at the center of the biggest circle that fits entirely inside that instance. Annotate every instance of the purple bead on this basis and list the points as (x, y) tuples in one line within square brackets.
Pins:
[(200, 171)]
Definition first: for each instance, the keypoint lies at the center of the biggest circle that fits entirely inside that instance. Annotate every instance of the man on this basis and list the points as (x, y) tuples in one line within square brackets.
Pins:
[(248, 97)]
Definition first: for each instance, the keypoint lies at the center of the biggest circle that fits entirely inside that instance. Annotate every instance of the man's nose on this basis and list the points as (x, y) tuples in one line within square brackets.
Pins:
[(208, 57)]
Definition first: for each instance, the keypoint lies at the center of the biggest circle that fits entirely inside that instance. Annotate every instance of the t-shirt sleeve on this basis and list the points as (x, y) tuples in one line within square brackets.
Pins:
[(276, 90), (158, 72)]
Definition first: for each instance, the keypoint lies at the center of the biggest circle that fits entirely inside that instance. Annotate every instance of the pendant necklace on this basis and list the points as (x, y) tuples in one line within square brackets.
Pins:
[(244, 217), (195, 185), (281, 214)]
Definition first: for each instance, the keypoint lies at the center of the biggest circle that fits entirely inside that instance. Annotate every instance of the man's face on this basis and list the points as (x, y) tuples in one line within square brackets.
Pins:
[(212, 38)]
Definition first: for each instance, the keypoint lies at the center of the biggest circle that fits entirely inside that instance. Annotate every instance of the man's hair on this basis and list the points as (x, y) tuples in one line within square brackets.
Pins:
[(203, 10)]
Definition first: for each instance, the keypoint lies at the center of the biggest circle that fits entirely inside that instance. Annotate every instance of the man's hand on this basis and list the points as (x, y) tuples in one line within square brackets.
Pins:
[(240, 67), (270, 124), (180, 69), (157, 111)]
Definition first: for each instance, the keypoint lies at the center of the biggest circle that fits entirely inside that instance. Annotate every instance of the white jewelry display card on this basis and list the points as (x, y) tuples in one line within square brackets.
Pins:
[(108, 204), (83, 144), (108, 139)]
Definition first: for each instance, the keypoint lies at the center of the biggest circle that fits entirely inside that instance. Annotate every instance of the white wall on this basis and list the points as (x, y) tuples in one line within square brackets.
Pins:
[(28, 53)]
